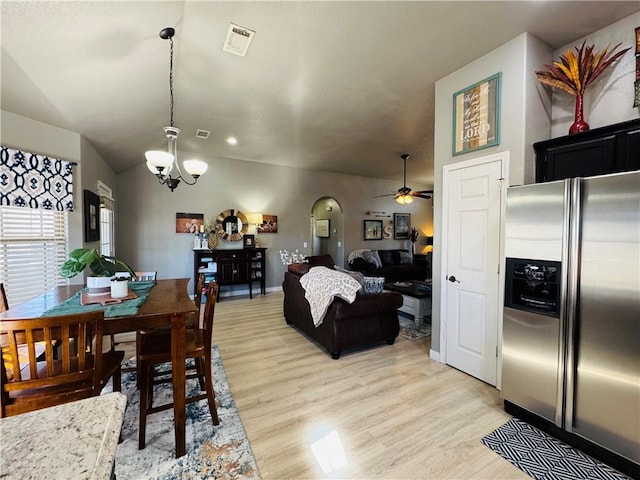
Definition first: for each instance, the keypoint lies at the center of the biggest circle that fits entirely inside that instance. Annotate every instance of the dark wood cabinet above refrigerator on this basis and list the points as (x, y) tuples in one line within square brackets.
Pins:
[(610, 149)]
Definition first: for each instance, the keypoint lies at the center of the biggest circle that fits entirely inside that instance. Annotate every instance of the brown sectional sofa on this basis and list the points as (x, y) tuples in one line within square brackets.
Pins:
[(368, 320)]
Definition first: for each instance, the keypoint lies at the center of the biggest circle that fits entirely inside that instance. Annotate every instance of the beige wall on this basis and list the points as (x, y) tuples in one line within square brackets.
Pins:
[(145, 211)]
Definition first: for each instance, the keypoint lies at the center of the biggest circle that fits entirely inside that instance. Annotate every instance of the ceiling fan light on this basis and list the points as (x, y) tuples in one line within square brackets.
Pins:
[(195, 168), (404, 199)]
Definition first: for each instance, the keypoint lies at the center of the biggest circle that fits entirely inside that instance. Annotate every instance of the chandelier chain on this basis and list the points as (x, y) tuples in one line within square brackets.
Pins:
[(171, 80)]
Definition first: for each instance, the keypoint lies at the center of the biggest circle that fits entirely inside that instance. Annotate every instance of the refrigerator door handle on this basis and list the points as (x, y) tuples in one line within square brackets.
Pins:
[(573, 268)]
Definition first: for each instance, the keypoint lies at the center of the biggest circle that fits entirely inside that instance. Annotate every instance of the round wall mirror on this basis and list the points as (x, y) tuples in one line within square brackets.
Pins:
[(231, 225)]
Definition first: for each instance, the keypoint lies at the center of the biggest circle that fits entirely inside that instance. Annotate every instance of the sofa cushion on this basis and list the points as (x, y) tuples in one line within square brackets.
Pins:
[(321, 261), (298, 268), (405, 258), (386, 257)]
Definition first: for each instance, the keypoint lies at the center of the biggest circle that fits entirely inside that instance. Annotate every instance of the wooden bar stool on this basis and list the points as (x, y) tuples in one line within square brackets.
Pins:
[(155, 348)]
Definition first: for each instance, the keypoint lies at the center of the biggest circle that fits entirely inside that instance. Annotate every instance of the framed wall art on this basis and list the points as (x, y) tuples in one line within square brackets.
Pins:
[(269, 224), (248, 241), (401, 226), (476, 116), (322, 228), (373, 229), (189, 222), (91, 216)]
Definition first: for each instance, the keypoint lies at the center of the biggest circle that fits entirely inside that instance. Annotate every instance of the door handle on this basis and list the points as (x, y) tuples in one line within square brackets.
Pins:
[(453, 279)]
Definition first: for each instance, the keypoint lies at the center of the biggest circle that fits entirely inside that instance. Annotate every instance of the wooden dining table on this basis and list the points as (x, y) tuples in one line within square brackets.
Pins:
[(168, 304)]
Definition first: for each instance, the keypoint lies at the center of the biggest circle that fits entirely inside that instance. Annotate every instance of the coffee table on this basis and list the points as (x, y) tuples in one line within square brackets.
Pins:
[(416, 298)]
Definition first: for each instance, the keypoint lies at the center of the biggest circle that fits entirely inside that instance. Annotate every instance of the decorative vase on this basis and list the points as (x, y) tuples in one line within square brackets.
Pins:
[(579, 125), (119, 287), (98, 285), (212, 241)]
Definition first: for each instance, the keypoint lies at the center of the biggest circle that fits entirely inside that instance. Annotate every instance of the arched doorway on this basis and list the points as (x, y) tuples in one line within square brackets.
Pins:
[(331, 240)]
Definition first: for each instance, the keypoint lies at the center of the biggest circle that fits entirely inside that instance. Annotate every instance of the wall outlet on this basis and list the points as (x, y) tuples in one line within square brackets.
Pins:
[(339, 244), (304, 244)]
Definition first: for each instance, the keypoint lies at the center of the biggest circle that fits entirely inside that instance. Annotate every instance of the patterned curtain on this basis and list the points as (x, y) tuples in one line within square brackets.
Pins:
[(35, 181)]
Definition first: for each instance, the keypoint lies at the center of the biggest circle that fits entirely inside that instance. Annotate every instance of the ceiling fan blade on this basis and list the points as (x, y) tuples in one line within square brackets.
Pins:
[(422, 191), (385, 195), (419, 195)]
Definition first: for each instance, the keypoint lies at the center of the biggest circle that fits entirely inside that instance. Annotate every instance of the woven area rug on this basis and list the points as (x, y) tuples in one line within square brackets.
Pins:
[(543, 457), (221, 452), (408, 328)]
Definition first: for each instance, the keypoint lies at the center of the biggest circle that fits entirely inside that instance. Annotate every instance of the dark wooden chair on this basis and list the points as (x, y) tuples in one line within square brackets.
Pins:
[(79, 369), (155, 348), (4, 305), (4, 341)]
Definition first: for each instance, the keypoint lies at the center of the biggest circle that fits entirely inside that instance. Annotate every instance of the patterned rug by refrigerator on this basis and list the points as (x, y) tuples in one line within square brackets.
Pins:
[(212, 452), (543, 457)]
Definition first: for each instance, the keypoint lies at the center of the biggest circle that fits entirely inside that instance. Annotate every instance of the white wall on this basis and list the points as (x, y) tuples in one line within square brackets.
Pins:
[(610, 99), (524, 119)]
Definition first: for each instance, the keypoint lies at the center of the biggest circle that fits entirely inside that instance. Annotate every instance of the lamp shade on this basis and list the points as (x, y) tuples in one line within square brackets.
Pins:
[(195, 168), (255, 218), (159, 159)]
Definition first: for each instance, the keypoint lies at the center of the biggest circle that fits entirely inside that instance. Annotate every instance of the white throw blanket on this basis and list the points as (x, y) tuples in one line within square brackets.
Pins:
[(321, 285)]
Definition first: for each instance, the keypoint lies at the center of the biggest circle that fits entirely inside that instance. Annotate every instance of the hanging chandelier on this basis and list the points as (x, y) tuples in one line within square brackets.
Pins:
[(164, 164)]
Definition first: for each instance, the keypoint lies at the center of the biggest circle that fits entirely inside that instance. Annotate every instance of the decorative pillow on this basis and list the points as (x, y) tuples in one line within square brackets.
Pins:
[(373, 284), (406, 258), (372, 258), (377, 257), (386, 258)]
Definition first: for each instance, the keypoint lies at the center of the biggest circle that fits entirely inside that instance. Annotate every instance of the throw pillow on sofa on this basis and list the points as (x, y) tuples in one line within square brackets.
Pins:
[(372, 257), (406, 258)]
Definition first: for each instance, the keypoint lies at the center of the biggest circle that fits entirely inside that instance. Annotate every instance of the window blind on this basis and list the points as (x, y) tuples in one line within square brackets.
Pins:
[(33, 246)]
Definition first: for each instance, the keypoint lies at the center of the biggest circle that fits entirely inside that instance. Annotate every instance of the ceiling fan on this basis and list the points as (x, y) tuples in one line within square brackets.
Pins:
[(405, 194)]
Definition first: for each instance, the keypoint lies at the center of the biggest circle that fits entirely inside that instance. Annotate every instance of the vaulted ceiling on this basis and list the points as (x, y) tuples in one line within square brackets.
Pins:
[(335, 86)]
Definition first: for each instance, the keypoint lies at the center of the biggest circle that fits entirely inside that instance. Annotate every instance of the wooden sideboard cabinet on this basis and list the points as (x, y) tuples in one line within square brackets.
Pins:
[(610, 149), (231, 267)]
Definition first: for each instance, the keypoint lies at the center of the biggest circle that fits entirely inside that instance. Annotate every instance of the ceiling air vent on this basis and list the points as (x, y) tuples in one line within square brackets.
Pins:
[(238, 40), (202, 133)]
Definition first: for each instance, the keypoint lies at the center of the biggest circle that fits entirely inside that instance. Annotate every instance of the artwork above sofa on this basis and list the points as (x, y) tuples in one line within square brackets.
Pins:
[(395, 265)]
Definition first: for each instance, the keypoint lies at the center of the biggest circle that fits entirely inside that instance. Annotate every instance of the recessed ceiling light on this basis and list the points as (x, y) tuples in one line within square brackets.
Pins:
[(232, 141)]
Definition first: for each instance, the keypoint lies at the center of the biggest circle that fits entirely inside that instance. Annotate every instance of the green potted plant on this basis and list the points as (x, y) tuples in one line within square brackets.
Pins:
[(102, 267)]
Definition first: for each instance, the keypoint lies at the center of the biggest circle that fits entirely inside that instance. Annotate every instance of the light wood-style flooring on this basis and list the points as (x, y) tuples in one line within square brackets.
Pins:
[(397, 414)]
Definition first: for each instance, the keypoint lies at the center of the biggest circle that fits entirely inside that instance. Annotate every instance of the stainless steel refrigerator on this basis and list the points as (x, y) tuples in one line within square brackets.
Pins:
[(571, 330)]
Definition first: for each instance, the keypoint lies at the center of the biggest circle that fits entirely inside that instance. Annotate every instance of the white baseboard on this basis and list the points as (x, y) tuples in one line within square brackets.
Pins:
[(435, 356)]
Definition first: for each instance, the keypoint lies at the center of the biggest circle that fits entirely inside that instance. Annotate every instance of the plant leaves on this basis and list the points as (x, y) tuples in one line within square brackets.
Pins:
[(574, 72)]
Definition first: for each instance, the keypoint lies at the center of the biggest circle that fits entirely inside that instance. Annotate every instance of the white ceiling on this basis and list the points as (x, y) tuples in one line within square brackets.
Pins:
[(335, 86)]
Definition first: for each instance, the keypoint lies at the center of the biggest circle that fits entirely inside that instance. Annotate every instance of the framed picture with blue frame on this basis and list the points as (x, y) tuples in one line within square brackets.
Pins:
[(476, 116)]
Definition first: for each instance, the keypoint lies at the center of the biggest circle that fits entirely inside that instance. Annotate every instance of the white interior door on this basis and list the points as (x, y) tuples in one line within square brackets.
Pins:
[(471, 300)]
